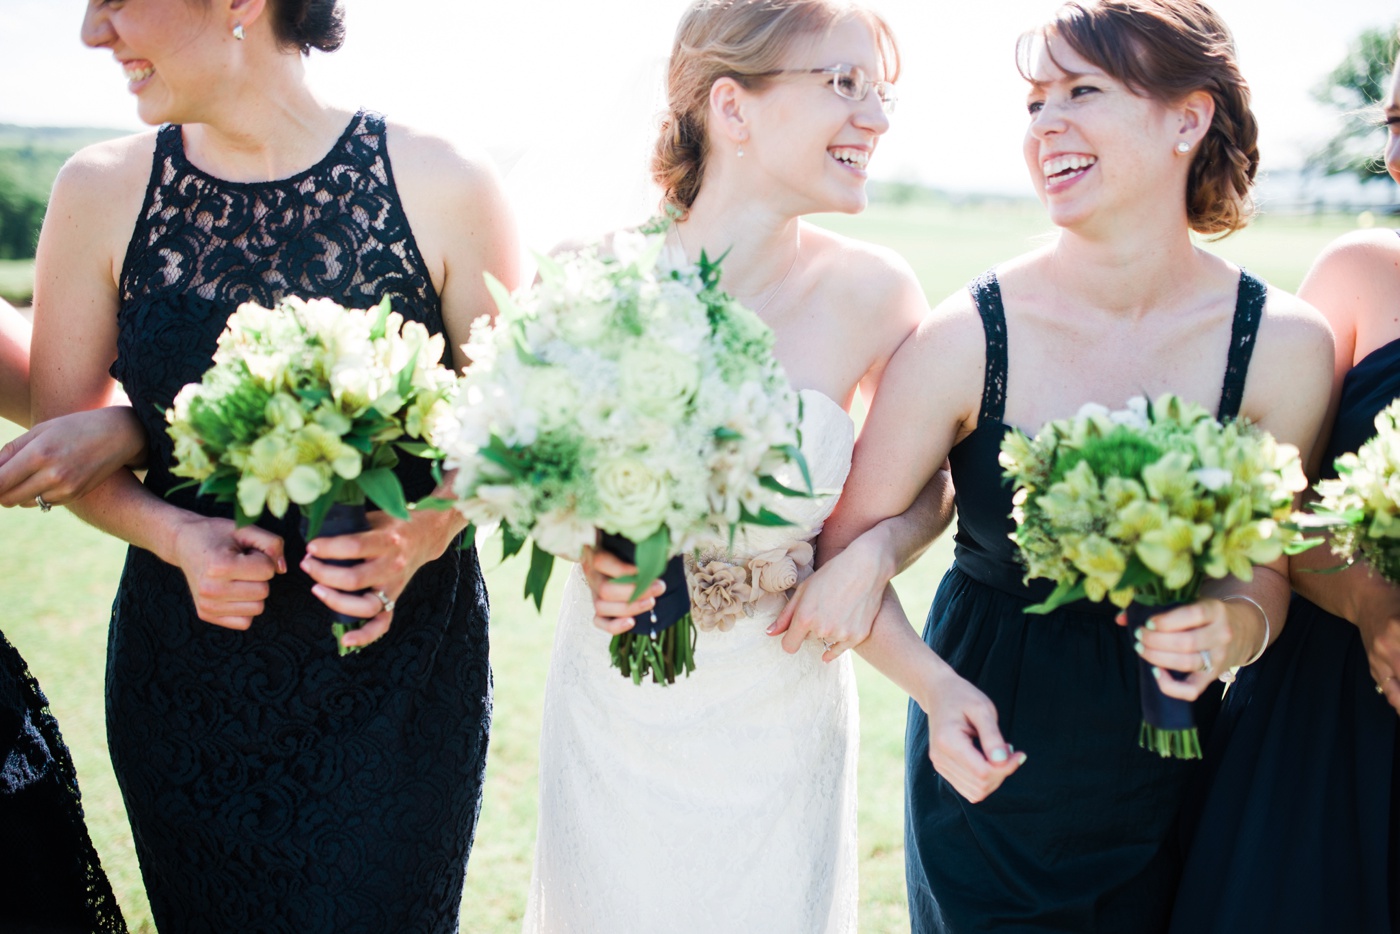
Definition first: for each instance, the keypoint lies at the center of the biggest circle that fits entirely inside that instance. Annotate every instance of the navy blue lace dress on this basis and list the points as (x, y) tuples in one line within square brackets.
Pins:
[(1297, 824), (1081, 837), (271, 784), (51, 879)]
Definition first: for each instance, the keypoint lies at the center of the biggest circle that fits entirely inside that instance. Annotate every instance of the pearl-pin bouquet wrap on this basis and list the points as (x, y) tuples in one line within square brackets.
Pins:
[(1141, 507), (1360, 507), (623, 403), (310, 403)]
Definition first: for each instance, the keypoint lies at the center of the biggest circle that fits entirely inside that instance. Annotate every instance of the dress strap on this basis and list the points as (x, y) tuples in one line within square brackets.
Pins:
[(986, 294), (1249, 311)]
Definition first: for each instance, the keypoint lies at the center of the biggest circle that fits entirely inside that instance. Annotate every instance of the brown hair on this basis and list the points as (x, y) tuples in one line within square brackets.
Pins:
[(738, 39), (1165, 50)]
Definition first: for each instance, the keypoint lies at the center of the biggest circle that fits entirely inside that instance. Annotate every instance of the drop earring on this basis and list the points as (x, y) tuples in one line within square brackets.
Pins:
[(1183, 147), (238, 31), (741, 150)]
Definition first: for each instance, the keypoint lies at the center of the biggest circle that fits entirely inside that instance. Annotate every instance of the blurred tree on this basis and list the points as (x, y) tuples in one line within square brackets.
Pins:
[(1355, 88), (21, 214)]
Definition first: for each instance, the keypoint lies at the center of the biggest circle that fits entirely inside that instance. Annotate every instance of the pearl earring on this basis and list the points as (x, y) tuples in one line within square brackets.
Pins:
[(1183, 147), (238, 31), (741, 150)]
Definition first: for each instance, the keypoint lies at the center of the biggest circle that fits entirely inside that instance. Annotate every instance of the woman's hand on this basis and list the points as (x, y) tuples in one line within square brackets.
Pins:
[(964, 743), (227, 568), (62, 459), (1202, 640), (1382, 641), (613, 607), (837, 604), (390, 553)]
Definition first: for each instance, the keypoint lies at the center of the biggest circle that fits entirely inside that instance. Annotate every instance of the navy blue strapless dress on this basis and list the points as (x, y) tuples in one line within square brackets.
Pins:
[(1081, 838), (271, 784), (1296, 827)]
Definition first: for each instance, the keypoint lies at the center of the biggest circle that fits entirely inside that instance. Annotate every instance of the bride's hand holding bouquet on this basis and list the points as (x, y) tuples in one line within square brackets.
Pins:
[(625, 405)]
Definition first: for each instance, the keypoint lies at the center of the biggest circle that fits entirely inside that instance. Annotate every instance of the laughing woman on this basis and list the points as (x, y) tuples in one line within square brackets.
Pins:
[(271, 784), (1139, 133)]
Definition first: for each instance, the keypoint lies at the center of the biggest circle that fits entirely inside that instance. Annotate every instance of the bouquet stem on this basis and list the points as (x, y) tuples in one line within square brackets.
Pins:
[(1168, 723), (343, 519), (661, 643)]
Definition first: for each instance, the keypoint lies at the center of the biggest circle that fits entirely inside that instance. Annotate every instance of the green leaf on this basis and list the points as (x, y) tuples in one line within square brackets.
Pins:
[(652, 554), (315, 513), (381, 322), (385, 491), (510, 542), (418, 449), (405, 379), (1064, 593), (771, 483), (541, 565), (185, 486), (727, 434), (548, 266), (795, 455), (241, 518), (765, 517), (434, 504), (501, 295)]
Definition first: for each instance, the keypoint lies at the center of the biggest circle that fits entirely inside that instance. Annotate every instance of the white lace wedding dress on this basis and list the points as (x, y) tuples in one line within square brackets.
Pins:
[(723, 803)]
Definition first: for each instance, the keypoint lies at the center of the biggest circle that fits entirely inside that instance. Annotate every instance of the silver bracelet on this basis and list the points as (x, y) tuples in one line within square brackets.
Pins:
[(1229, 674)]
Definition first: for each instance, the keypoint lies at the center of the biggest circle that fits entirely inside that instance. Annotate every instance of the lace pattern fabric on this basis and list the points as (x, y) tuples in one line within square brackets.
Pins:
[(725, 802), (271, 784)]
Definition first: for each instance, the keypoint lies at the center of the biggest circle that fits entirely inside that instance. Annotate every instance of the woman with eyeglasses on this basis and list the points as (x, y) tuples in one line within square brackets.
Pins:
[(271, 783), (1298, 828), (1139, 133), (726, 801)]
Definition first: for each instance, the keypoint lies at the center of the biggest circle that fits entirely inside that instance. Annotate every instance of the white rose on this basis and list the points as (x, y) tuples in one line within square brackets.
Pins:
[(551, 392), (633, 497), (657, 380)]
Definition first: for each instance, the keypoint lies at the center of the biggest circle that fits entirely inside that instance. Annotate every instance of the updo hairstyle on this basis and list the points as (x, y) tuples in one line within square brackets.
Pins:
[(736, 39), (308, 24), (1165, 50)]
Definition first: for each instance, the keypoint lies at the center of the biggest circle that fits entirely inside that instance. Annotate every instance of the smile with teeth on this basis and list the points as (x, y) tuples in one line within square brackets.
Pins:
[(1064, 167), (855, 158), (137, 71)]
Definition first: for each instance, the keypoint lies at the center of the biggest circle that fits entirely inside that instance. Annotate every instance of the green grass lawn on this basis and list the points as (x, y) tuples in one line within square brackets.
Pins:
[(17, 280), (60, 577)]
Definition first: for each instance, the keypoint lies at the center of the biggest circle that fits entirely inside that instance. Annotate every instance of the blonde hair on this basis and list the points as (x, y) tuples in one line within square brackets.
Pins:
[(739, 39)]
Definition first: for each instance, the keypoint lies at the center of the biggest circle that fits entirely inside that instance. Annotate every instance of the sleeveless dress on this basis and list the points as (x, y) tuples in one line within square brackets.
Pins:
[(1079, 839), (271, 784), (723, 803), (1297, 824), (51, 879)]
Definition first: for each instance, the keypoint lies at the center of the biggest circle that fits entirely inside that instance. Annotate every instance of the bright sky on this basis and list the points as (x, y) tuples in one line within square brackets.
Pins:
[(563, 93)]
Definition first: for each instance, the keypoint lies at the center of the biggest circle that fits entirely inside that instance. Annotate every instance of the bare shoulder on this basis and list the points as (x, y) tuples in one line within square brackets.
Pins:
[(1359, 253), (426, 162), (1293, 331), (113, 170), (874, 282), (1290, 372)]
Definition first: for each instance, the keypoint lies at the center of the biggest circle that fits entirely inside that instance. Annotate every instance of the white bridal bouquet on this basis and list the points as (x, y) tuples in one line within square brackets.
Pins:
[(311, 403), (1142, 506), (622, 403), (1361, 506)]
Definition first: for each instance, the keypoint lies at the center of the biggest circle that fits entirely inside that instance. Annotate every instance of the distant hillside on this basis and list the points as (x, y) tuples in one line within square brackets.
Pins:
[(30, 157)]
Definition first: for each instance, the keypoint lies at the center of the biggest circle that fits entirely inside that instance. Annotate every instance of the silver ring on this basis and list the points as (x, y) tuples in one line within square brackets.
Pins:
[(384, 599), (827, 645), (43, 506), (1205, 660)]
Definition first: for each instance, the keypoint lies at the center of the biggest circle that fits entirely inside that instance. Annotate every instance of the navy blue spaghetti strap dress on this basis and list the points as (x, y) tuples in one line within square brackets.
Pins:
[(1296, 826), (1081, 837), (271, 784)]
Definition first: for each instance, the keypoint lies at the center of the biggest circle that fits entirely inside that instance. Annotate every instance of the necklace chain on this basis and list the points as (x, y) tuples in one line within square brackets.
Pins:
[(781, 282)]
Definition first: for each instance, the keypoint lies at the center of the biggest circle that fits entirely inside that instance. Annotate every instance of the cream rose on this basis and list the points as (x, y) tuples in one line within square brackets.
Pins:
[(633, 497), (657, 380)]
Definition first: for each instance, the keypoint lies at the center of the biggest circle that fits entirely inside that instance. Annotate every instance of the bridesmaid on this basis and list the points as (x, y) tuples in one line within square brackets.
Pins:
[(1300, 823), (51, 878), (1139, 133), (271, 784)]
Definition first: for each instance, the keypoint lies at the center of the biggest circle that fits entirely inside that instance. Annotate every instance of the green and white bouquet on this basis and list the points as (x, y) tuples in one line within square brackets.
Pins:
[(1361, 506), (311, 403), (623, 403), (1142, 506)]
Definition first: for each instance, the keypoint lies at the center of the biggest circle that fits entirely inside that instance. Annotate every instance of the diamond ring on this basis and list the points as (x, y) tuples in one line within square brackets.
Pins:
[(1205, 660), (384, 599), (43, 506)]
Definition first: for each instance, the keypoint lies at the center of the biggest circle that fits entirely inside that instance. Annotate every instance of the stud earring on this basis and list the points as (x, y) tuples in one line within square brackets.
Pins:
[(1183, 147), (238, 31)]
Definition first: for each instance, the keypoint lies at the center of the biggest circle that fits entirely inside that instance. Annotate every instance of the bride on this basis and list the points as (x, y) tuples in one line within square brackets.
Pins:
[(727, 802)]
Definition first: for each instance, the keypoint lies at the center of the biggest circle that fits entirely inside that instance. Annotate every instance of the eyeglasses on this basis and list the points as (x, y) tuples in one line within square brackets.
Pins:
[(848, 81)]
